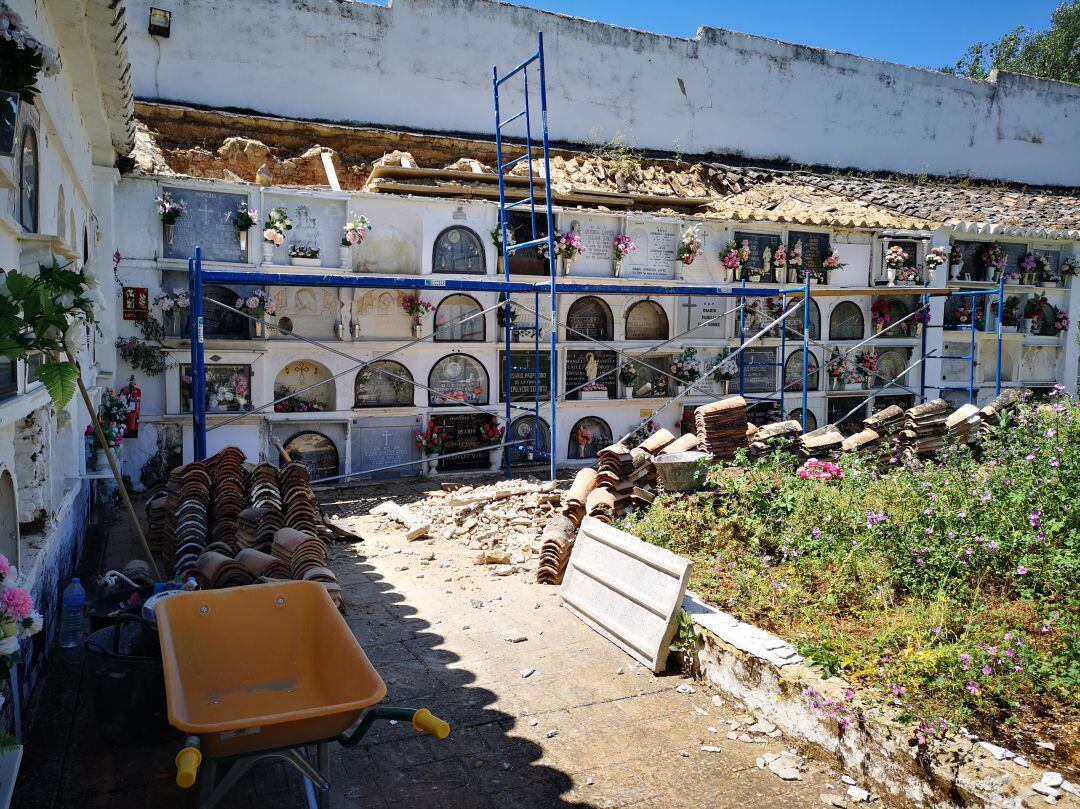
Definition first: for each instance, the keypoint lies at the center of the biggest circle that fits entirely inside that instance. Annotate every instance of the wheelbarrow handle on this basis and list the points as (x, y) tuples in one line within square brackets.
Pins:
[(187, 763), (422, 720)]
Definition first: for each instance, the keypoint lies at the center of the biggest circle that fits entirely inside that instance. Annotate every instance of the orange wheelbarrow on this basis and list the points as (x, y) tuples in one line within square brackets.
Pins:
[(265, 671)]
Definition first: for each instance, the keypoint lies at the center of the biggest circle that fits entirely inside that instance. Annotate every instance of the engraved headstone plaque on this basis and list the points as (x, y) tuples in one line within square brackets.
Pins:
[(462, 433), (705, 316), (597, 234), (656, 254), (457, 379), (523, 376), (815, 249), (316, 452), (206, 224), (381, 442), (585, 366), (646, 320)]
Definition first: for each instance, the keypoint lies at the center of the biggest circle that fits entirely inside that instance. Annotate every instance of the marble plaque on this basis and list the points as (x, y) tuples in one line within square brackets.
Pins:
[(523, 378), (1039, 364), (597, 233), (316, 222), (205, 225), (377, 315), (758, 242), (378, 443), (584, 366), (313, 311), (646, 320), (656, 254), (462, 433), (815, 249), (697, 311), (758, 377)]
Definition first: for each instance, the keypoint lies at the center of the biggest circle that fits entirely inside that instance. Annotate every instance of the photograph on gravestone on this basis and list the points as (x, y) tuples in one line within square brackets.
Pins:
[(462, 433), (656, 250), (386, 442), (815, 248), (383, 383), (587, 366), (206, 224), (597, 233), (758, 244), (811, 419), (528, 435), (523, 376), (589, 318), (315, 451), (455, 379)]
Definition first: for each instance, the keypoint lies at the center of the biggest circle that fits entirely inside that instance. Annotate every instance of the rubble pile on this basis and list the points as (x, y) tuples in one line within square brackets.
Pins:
[(502, 521)]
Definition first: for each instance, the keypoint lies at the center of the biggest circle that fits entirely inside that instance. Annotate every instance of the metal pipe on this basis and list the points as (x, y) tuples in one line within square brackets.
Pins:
[(551, 246)]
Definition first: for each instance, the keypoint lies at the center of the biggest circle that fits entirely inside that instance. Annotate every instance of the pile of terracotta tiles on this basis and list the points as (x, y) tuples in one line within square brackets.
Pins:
[(600, 504), (216, 570), (963, 423), (262, 565), (768, 439), (888, 421), (180, 530), (556, 544), (721, 427), (573, 502), (256, 526), (304, 553), (924, 427), (297, 497), (993, 410), (820, 442)]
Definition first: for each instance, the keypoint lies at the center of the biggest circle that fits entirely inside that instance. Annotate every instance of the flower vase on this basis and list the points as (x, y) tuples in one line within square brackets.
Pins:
[(495, 459), (268, 252), (727, 386), (628, 392), (243, 242), (260, 329), (1026, 327), (433, 466), (581, 451), (417, 331), (346, 257), (618, 269), (170, 231), (890, 273), (954, 270), (101, 460)]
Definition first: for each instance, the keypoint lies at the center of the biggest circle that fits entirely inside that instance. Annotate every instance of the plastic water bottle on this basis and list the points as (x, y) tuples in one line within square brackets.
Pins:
[(73, 619)]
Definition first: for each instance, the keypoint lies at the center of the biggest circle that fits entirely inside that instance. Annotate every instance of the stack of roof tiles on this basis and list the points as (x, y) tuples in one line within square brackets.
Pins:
[(624, 471), (993, 410), (556, 544), (227, 496), (601, 504), (924, 427), (721, 427), (963, 423), (262, 565), (768, 439), (888, 421), (256, 526), (216, 570), (304, 553), (188, 503), (297, 497), (574, 499), (820, 442)]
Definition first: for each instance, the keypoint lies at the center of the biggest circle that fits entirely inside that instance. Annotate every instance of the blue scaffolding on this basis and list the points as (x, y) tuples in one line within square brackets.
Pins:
[(551, 286)]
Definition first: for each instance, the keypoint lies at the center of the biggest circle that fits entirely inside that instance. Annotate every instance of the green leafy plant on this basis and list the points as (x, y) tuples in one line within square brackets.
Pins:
[(46, 314)]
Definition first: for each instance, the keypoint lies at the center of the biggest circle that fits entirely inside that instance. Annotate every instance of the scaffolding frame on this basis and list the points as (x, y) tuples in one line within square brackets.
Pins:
[(552, 287)]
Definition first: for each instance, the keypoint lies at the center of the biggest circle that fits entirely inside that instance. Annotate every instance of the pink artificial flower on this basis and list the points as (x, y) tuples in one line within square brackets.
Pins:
[(17, 603), (5, 565)]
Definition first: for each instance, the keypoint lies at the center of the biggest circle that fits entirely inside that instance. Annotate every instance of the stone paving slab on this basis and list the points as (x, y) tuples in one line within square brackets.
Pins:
[(436, 634)]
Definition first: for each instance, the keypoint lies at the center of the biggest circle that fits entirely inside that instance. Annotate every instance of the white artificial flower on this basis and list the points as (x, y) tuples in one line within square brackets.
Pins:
[(34, 623), (66, 299), (74, 336), (9, 646), (279, 238), (270, 235), (90, 277)]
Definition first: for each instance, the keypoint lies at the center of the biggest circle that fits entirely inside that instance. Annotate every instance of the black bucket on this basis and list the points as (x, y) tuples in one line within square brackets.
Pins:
[(105, 610), (127, 683)]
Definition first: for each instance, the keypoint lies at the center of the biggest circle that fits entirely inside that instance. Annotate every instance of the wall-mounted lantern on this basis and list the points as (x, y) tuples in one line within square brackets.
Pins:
[(160, 22)]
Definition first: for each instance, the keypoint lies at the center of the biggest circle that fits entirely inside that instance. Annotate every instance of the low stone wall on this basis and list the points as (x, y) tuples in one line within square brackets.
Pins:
[(50, 559), (769, 678)]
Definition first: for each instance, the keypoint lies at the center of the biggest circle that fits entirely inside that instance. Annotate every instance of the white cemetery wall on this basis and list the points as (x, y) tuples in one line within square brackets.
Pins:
[(316, 222), (438, 215), (893, 117)]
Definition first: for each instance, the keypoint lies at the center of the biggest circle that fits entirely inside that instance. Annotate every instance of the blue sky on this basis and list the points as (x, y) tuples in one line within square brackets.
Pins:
[(928, 33)]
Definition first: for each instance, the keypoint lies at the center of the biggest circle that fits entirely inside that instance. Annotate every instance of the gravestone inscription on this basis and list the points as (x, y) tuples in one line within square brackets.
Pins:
[(462, 433), (523, 376), (207, 224)]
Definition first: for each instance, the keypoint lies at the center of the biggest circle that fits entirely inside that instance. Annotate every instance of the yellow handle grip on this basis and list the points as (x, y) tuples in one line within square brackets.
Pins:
[(424, 721), (187, 764)]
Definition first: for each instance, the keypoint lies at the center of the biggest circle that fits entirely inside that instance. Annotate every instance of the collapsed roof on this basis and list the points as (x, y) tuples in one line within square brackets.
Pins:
[(174, 140)]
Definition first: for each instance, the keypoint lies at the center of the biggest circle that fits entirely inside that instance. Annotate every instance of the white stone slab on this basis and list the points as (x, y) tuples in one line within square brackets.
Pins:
[(743, 636), (626, 589)]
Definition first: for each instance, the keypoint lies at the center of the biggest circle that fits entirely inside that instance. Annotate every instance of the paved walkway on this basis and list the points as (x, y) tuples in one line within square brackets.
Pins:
[(586, 728)]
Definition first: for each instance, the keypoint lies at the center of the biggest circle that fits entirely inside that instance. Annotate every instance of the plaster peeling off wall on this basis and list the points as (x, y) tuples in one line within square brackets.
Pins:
[(32, 465), (427, 64)]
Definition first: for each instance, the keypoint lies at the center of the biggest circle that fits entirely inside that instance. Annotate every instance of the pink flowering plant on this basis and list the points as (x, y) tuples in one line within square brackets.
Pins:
[(257, 303), (896, 257), (623, 246), (18, 617), (416, 307), (177, 299), (940, 591), (689, 245), (356, 229), (568, 246)]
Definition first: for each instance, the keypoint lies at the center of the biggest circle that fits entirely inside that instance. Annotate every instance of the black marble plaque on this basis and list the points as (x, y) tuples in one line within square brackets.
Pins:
[(316, 452), (759, 370), (523, 377), (205, 225), (757, 243), (462, 433), (577, 363), (815, 248)]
